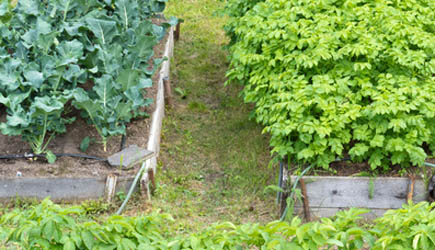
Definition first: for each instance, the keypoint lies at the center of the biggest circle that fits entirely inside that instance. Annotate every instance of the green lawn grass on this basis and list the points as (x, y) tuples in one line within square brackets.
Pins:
[(214, 159)]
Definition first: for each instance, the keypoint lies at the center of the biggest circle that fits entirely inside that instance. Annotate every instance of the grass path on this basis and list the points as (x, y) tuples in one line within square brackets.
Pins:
[(213, 160)]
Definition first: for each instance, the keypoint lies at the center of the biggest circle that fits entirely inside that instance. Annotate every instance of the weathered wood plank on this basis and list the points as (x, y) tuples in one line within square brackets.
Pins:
[(129, 156), (344, 192), (317, 212), (159, 112), (66, 189)]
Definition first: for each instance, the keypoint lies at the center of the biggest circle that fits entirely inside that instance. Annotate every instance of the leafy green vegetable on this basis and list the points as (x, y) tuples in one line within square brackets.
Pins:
[(33, 121), (339, 78), (6, 7), (49, 226), (235, 10), (50, 49)]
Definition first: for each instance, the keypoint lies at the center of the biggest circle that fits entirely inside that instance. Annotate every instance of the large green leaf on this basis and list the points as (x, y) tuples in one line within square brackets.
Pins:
[(34, 77), (46, 41), (13, 100), (9, 81), (127, 12), (30, 7), (70, 52), (47, 104), (18, 118), (105, 89), (128, 78), (104, 30)]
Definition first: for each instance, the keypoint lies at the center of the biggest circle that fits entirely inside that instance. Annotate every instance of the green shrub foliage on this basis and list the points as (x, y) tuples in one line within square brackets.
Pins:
[(49, 226), (335, 78)]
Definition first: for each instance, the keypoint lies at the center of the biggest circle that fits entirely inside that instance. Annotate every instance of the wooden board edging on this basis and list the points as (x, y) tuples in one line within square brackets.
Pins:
[(58, 189), (157, 118), (330, 194)]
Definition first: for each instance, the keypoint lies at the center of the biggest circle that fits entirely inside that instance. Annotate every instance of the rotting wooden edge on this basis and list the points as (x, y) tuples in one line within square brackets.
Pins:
[(330, 194), (157, 117), (110, 188), (59, 189), (77, 189)]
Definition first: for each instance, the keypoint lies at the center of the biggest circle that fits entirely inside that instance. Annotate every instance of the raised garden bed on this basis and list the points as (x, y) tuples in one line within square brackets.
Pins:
[(71, 178), (323, 195), (327, 195), (318, 194), (78, 179), (335, 81)]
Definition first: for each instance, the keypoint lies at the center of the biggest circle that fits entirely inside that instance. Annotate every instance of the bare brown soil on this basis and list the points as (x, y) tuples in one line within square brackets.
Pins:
[(137, 133)]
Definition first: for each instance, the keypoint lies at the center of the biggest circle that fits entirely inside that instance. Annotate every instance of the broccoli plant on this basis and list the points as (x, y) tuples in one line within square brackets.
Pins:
[(50, 50)]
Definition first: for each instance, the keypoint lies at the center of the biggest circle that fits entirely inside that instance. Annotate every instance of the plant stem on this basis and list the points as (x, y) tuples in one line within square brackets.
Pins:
[(57, 84), (48, 141), (38, 149)]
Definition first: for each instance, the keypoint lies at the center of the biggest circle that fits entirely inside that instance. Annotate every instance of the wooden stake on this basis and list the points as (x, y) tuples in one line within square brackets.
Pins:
[(286, 185), (110, 187), (177, 32), (305, 199), (411, 187), (283, 205), (152, 179), (168, 92), (143, 186)]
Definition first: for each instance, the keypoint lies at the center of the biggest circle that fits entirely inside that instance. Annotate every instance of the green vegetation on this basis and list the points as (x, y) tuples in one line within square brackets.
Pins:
[(88, 53), (209, 146), (332, 79), (6, 8), (213, 167), (235, 10), (49, 226)]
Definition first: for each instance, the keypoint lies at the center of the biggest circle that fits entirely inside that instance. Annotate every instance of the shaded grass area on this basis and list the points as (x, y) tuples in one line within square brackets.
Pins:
[(214, 159)]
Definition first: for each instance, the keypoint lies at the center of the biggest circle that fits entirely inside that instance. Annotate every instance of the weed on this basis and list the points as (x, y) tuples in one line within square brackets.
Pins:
[(121, 195), (95, 207), (197, 106)]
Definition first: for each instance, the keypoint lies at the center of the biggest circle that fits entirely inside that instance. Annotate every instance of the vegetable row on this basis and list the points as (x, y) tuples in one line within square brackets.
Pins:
[(337, 79), (49, 226), (57, 56)]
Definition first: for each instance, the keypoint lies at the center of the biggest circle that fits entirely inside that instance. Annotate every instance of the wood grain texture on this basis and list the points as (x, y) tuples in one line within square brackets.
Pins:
[(345, 192), (157, 116), (317, 213), (58, 189)]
